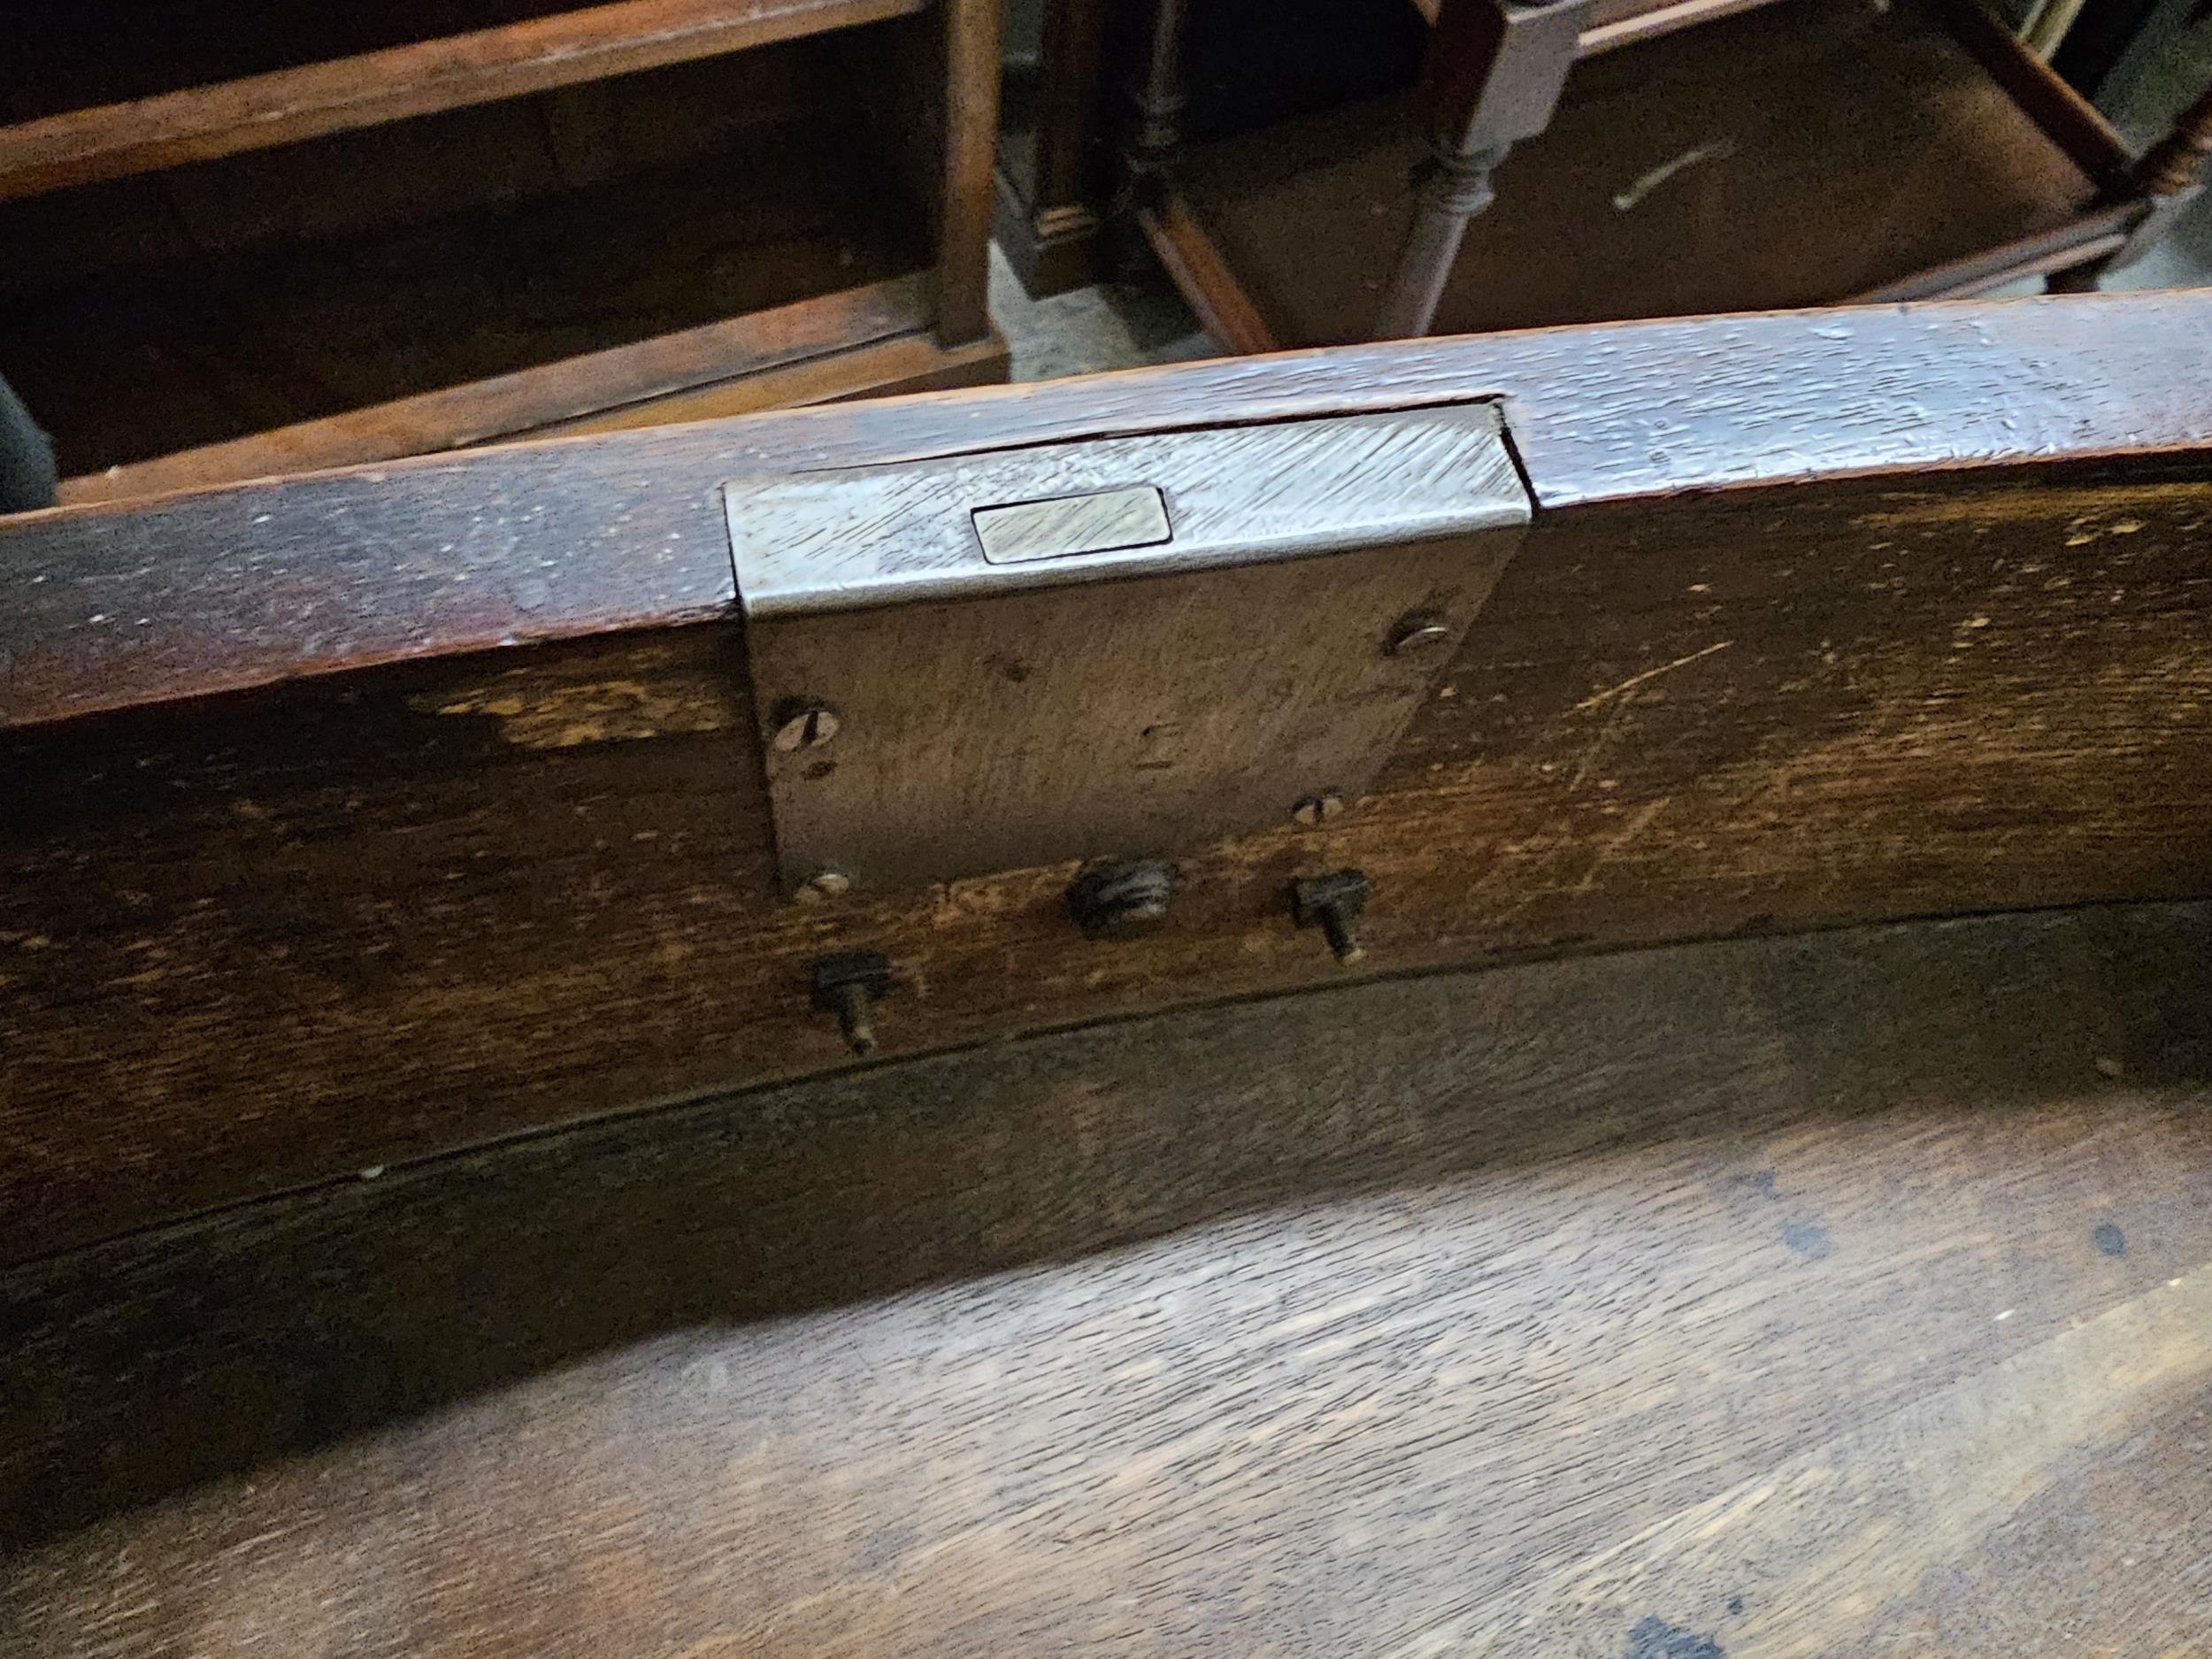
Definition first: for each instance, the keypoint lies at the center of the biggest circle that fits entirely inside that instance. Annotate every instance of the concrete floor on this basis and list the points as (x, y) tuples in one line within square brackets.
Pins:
[(1113, 326), (2179, 73), (1121, 325)]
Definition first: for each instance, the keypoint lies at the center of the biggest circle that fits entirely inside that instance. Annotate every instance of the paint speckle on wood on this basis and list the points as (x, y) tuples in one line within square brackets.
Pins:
[(1808, 1239), (1653, 1638)]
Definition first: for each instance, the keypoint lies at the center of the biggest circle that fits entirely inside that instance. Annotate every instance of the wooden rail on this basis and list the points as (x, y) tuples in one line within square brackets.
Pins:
[(284, 106), (359, 817)]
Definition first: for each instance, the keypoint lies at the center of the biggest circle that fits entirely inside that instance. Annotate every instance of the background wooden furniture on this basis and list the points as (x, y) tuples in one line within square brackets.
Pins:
[(1797, 154), (245, 239), (2110, 41), (1054, 160), (1075, 76)]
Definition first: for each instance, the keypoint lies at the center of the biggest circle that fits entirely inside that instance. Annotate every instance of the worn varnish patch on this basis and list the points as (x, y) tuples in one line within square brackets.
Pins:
[(2113, 510), (659, 697)]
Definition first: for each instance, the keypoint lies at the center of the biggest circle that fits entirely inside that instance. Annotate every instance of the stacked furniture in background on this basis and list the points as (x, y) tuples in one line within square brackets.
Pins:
[(256, 238), (1073, 68), (1803, 153)]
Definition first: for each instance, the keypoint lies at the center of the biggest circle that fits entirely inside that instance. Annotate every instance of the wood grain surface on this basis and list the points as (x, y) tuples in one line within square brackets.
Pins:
[(259, 939), (1791, 1297), (1601, 414)]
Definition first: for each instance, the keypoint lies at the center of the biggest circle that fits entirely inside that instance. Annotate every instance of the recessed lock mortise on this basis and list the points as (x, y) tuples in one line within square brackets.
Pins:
[(1110, 648), (1099, 521)]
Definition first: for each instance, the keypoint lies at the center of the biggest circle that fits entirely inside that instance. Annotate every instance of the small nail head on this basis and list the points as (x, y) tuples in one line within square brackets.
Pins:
[(1417, 633), (806, 725), (1318, 809)]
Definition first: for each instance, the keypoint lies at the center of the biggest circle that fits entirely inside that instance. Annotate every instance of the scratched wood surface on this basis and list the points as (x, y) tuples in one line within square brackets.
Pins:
[(1842, 1293), (1818, 623), (532, 543)]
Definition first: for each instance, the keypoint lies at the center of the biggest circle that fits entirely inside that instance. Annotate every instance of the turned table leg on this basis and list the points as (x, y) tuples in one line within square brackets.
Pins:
[(1493, 76), (2170, 176)]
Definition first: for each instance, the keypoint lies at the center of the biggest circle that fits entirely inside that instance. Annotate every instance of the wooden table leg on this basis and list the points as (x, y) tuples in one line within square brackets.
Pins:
[(1493, 76)]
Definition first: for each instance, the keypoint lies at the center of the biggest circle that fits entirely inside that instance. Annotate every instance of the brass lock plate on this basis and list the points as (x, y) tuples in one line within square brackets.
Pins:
[(1119, 646)]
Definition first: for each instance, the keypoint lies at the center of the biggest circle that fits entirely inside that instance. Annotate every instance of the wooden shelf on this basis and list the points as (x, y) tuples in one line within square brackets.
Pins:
[(279, 238), (1797, 155), (1615, 23), (859, 342), (199, 351), (707, 236), (146, 128)]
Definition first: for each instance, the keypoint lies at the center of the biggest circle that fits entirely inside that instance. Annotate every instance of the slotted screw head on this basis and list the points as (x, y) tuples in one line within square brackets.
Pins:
[(805, 726), (1422, 630)]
